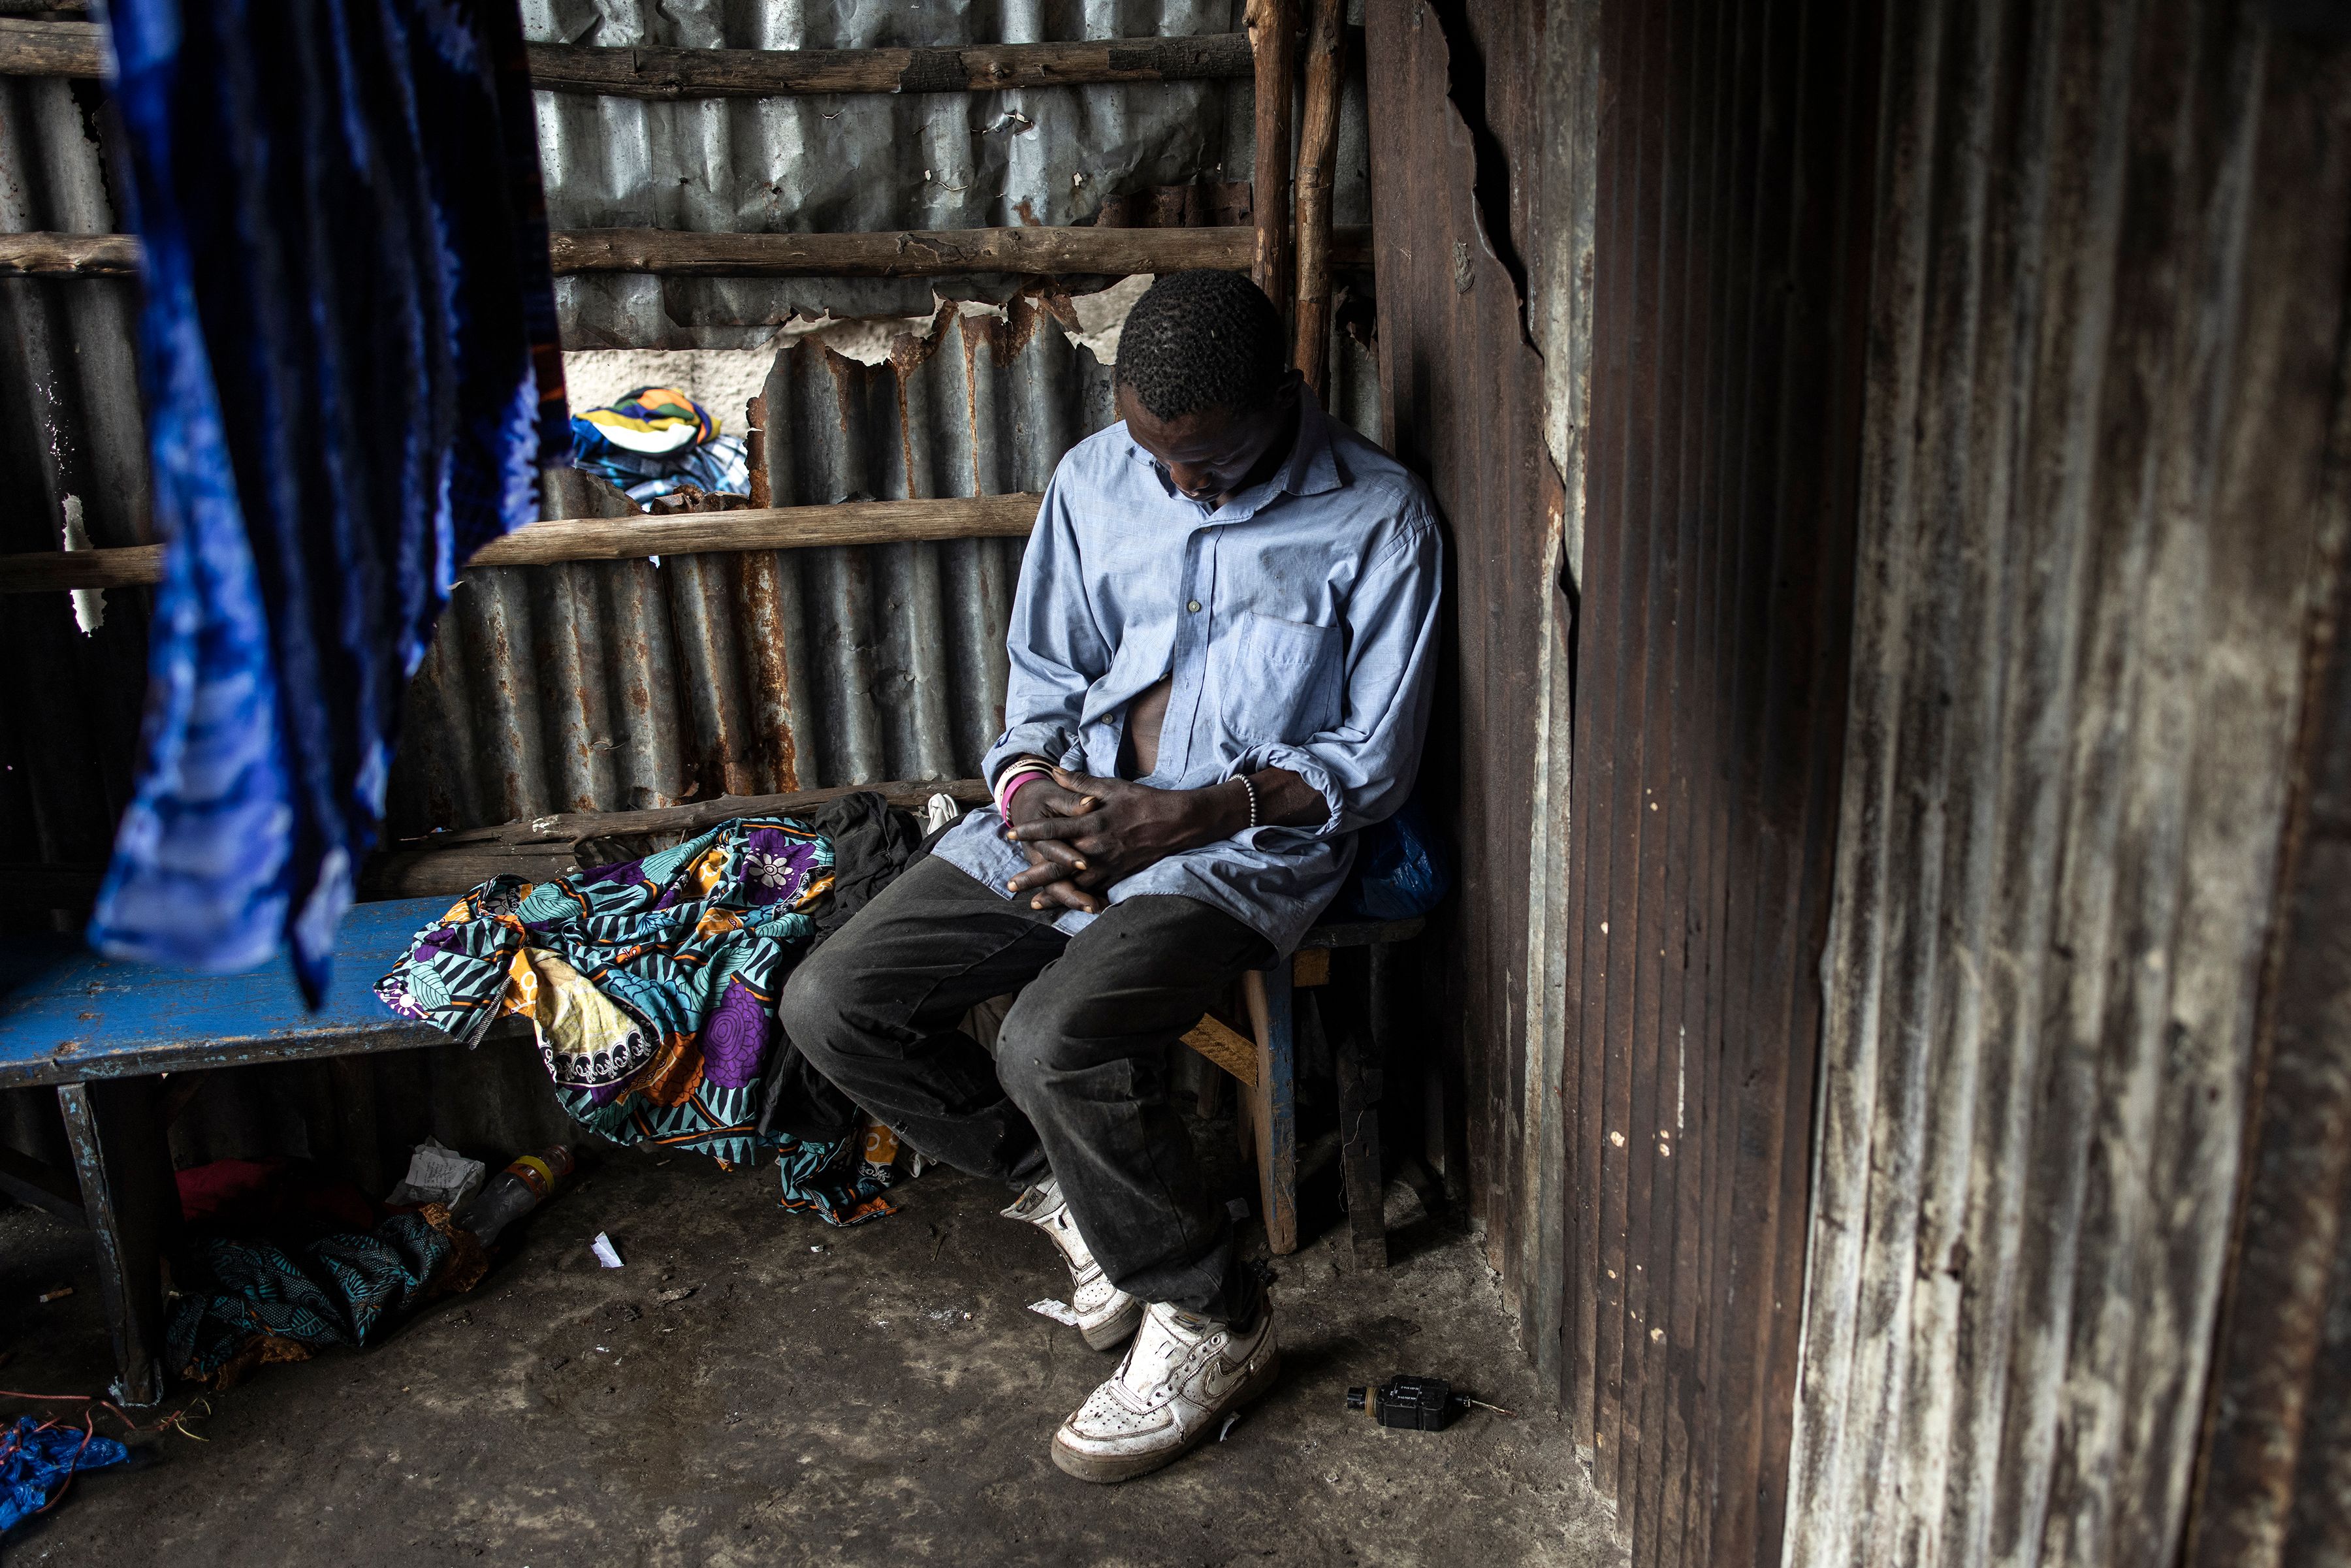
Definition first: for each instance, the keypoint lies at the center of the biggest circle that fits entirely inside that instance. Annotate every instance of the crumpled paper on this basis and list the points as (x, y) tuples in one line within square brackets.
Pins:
[(437, 1173)]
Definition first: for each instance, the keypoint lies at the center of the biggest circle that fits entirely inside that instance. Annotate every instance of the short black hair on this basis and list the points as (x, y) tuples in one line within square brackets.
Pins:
[(1202, 339)]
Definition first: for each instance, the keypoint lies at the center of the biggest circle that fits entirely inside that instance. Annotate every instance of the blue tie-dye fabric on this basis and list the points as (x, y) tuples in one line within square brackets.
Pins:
[(349, 354)]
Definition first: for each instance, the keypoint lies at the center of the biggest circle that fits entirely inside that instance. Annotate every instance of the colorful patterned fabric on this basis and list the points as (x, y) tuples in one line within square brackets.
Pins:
[(657, 440), (649, 420), (841, 1182), (651, 984), (351, 374), (241, 1303)]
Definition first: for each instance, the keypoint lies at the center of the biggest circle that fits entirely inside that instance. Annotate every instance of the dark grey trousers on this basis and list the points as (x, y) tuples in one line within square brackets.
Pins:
[(1075, 1087)]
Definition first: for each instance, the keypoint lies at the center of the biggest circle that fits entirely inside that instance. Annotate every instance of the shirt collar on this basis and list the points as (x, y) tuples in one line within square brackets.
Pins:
[(1311, 469)]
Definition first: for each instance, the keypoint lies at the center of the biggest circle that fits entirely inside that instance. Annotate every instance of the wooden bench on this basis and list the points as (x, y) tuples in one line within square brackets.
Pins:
[(100, 1031), (103, 1033), (1265, 1067)]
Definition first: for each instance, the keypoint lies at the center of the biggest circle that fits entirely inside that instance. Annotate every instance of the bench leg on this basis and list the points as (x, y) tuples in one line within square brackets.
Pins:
[(1274, 1112), (1359, 1072), (130, 1201)]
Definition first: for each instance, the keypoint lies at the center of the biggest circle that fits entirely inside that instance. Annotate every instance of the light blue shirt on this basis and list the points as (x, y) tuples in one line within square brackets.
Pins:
[(1298, 622)]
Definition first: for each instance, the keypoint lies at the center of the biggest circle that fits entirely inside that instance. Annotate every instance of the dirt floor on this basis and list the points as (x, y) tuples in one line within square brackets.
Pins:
[(879, 1396)]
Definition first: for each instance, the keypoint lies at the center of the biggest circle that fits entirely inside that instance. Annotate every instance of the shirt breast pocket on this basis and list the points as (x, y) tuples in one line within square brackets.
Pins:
[(1277, 680)]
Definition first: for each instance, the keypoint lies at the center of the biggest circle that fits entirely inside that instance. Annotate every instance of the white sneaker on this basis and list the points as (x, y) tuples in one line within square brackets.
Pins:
[(1180, 1377), (1106, 1314)]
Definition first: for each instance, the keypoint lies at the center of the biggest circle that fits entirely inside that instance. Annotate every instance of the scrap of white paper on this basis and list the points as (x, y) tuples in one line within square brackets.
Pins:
[(606, 1253), (1057, 1311)]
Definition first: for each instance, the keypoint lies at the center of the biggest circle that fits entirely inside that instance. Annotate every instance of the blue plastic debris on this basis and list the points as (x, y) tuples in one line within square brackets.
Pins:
[(37, 1460)]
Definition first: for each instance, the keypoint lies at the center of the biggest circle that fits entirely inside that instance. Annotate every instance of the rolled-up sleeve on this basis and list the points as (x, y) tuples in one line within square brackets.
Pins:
[(1364, 768), (1055, 648)]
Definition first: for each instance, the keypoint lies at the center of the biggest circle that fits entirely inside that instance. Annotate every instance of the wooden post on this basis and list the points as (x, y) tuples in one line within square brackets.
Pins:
[(1273, 40), (1318, 163), (132, 1204), (1350, 1007), (1273, 1105)]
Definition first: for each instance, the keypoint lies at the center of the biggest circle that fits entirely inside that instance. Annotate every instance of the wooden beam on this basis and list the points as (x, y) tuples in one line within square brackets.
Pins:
[(72, 49), (772, 527), (1272, 32), (932, 253), (614, 539), (54, 572), (29, 49), (1317, 164), (1225, 1046), (539, 848), (935, 253), (40, 254), (977, 67)]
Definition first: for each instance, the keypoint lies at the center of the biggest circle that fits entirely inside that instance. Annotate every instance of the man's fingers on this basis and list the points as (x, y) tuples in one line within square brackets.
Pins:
[(1081, 784), (1068, 897), (1057, 852), (1051, 828), (1040, 875), (1064, 802)]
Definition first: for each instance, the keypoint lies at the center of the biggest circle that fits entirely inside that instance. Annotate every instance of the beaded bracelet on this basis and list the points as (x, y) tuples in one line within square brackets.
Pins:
[(1243, 779)]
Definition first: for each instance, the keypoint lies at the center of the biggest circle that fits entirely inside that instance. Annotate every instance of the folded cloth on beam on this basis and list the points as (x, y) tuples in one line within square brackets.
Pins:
[(655, 441)]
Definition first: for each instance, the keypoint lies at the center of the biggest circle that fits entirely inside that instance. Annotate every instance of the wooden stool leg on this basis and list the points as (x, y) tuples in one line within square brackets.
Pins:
[(131, 1203), (1273, 1115), (1359, 1072)]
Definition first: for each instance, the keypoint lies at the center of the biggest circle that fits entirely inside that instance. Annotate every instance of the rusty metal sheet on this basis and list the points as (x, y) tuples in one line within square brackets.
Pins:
[(2106, 336)]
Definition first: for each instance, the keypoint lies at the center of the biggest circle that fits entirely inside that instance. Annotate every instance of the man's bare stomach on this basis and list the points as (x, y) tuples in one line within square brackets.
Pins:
[(1138, 756)]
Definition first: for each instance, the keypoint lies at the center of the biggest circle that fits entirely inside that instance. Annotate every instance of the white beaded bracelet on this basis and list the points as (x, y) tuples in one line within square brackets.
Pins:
[(1243, 781)]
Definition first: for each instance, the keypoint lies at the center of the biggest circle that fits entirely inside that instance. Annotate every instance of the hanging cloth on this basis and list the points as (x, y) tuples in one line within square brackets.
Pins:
[(348, 355)]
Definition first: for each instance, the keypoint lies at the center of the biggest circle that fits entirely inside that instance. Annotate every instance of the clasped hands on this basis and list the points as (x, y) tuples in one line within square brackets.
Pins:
[(1084, 833)]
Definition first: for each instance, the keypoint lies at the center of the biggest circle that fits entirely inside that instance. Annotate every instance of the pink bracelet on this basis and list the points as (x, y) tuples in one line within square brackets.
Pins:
[(1004, 806)]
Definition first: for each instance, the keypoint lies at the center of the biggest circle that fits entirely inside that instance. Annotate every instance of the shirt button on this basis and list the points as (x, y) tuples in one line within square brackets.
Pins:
[(1194, 607)]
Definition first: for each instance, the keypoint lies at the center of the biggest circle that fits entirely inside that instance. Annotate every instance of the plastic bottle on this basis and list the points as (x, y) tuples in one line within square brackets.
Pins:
[(514, 1192)]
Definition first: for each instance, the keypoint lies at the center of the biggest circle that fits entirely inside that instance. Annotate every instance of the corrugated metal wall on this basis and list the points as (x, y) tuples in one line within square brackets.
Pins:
[(2274, 1479), (615, 686), (1721, 335), (618, 685), (2107, 345), (1462, 387)]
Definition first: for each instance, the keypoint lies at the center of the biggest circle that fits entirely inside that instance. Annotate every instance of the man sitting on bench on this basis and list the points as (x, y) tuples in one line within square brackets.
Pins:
[(1220, 650)]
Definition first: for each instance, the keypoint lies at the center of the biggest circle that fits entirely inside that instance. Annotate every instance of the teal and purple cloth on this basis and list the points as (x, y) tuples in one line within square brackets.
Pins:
[(348, 355), (239, 1302), (652, 986)]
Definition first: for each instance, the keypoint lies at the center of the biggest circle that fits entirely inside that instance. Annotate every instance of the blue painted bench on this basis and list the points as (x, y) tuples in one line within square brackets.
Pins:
[(101, 1032)]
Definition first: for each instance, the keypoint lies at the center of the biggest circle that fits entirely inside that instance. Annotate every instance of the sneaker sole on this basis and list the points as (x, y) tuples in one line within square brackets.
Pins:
[(1106, 1470), (1112, 1333)]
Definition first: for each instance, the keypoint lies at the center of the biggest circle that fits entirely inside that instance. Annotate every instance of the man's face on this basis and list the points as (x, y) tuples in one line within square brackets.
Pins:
[(1211, 453)]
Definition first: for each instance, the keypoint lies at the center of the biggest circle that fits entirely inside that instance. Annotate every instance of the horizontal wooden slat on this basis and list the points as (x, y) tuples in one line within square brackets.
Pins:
[(538, 847), (912, 252), (448, 863), (767, 528), (44, 254), (925, 253), (29, 49), (71, 49), (1229, 1049), (614, 539), (977, 67), (46, 571)]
